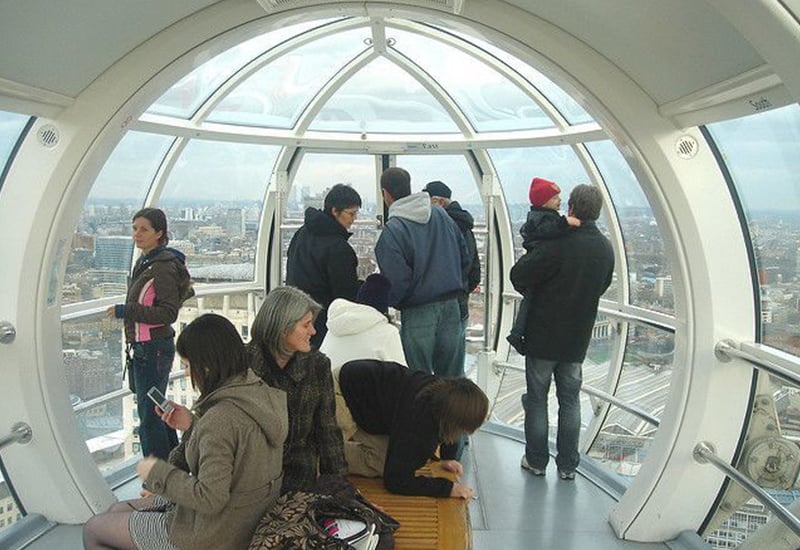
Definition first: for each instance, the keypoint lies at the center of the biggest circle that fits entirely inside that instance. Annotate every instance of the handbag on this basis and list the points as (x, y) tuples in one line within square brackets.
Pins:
[(334, 517)]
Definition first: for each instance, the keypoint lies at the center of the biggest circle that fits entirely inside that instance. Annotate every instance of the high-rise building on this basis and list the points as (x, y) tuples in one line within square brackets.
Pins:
[(113, 252)]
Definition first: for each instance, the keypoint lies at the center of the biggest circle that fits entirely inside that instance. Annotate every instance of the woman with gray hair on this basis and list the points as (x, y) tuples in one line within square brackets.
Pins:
[(283, 358)]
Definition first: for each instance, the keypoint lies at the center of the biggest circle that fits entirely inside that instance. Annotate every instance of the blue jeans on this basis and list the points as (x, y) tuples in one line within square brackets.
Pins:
[(152, 362), (433, 338), (568, 377)]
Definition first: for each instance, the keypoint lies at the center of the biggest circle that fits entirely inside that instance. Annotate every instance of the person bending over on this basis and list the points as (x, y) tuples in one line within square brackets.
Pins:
[(227, 470), (394, 418)]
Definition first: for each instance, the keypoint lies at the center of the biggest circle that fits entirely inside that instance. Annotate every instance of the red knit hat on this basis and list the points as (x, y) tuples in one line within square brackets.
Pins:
[(542, 190)]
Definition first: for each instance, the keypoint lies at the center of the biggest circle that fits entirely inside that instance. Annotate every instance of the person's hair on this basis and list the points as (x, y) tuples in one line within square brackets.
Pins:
[(397, 182), (585, 202), (157, 219), (215, 351), (341, 196), (459, 405), (283, 307)]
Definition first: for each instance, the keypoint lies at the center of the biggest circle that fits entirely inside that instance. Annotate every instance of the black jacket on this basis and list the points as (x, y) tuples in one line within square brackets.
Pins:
[(472, 273), (542, 224), (382, 397), (320, 262), (563, 280)]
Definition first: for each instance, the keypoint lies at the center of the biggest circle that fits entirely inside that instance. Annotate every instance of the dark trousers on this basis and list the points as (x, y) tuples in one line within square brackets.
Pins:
[(151, 364)]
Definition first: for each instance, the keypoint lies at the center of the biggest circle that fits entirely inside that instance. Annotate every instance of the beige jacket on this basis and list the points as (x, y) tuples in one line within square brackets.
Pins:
[(234, 453)]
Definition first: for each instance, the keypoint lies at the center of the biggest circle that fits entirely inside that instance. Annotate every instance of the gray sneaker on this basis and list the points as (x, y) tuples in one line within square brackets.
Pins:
[(567, 476), (535, 471)]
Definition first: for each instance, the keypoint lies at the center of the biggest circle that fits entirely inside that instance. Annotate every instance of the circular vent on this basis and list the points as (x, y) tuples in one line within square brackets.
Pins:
[(686, 147), (48, 136)]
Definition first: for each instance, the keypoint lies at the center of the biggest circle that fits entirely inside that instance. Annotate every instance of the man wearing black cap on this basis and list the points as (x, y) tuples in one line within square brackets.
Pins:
[(441, 196)]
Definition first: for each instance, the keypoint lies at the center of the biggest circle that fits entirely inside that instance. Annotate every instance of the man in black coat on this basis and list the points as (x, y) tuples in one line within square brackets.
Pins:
[(564, 279), (441, 195), (319, 260)]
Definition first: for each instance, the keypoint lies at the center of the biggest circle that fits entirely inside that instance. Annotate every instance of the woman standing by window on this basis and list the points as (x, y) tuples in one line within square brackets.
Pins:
[(157, 287)]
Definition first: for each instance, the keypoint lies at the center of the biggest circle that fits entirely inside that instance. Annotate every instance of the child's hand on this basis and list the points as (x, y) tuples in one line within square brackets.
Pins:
[(573, 221)]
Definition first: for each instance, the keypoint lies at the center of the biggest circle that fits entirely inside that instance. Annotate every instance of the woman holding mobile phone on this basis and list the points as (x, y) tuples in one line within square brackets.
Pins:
[(226, 472), (157, 287)]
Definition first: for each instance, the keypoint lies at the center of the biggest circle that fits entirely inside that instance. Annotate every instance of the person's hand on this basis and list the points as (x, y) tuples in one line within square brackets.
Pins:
[(453, 466), (144, 493), (460, 490), (573, 221), (179, 418), (145, 465), (110, 312)]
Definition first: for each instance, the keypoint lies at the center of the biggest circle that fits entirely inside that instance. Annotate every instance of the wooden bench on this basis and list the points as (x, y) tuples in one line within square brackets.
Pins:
[(425, 522)]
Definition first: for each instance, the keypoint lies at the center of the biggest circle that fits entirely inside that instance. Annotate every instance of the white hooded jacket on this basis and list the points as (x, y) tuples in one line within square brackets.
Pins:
[(358, 331)]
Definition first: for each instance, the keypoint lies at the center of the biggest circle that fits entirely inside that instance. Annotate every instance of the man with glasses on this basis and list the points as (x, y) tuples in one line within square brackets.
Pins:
[(320, 261)]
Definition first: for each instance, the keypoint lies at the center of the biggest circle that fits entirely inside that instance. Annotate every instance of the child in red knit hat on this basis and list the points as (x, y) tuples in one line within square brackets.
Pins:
[(543, 223)]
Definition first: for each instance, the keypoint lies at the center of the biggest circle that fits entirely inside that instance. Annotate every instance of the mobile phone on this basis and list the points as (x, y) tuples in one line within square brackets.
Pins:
[(159, 399)]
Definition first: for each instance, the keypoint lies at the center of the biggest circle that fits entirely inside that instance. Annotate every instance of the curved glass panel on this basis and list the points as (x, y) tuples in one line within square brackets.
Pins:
[(568, 107), (316, 174), (101, 250), (760, 152), (383, 98), (185, 96), (213, 199), (11, 125), (624, 438), (649, 271), (507, 408), (278, 92), (488, 98), (93, 355)]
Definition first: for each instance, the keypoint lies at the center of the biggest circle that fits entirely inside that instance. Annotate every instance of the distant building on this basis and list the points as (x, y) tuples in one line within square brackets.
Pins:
[(113, 253)]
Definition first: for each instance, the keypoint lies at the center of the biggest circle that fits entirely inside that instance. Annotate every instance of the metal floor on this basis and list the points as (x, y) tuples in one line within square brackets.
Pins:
[(514, 509)]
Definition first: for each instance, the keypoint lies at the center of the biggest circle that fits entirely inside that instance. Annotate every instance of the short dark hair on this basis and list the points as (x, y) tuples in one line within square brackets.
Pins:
[(215, 351), (458, 404), (585, 202), (341, 196), (397, 182), (157, 219)]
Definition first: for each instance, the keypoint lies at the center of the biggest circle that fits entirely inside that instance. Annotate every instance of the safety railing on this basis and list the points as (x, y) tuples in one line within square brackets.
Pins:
[(754, 354), (20, 433), (599, 394), (704, 453)]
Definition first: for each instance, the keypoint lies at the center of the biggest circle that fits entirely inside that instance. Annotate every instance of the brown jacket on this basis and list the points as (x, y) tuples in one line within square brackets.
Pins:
[(234, 452), (159, 285)]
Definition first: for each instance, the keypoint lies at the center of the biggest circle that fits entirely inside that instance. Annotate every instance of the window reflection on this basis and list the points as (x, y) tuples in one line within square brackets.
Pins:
[(760, 151)]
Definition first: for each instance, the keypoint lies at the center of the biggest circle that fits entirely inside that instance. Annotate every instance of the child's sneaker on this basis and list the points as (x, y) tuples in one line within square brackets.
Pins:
[(517, 342)]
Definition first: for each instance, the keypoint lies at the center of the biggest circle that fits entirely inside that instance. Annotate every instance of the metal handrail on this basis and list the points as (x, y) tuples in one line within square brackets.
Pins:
[(20, 433), (704, 452), (725, 349), (625, 406), (122, 392)]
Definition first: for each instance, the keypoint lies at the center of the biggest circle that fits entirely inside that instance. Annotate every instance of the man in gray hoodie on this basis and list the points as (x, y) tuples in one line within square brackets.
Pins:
[(422, 252)]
